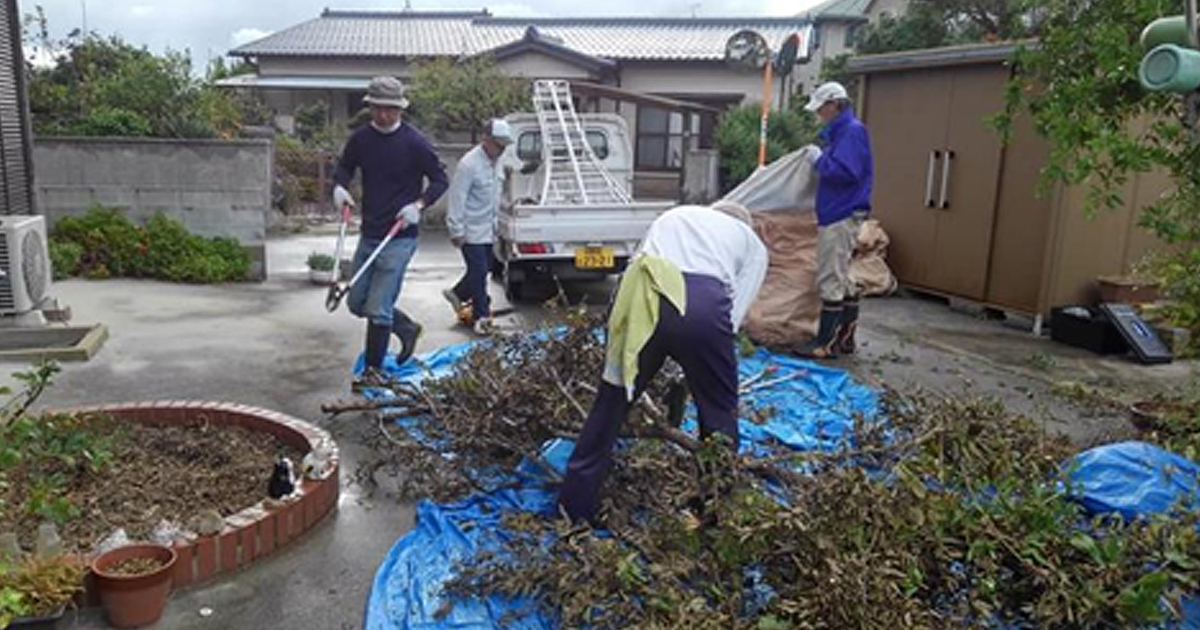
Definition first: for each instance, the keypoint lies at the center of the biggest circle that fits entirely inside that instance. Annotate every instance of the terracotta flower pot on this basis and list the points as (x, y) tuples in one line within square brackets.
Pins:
[(1148, 415), (134, 601)]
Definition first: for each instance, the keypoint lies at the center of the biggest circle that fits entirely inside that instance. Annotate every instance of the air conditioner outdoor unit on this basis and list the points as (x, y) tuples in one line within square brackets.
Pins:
[(25, 272)]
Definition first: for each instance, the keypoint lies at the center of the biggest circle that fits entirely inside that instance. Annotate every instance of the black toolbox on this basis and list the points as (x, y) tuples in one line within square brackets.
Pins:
[(1088, 328)]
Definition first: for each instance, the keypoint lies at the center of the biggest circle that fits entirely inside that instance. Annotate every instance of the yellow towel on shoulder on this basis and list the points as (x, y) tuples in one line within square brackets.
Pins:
[(635, 315)]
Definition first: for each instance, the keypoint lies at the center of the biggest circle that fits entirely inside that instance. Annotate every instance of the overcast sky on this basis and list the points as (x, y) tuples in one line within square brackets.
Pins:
[(211, 28)]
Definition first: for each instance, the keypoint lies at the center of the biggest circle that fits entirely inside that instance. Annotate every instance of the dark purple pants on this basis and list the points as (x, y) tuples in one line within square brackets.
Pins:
[(702, 343), (473, 285)]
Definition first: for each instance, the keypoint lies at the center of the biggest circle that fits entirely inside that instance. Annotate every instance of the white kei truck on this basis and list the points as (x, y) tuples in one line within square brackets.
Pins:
[(568, 212)]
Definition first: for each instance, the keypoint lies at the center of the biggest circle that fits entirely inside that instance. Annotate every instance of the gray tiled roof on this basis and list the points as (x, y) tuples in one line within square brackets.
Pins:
[(424, 34), (855, 9)]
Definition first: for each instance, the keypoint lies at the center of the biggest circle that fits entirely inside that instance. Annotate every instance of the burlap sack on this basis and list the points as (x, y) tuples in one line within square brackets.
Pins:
[(788, 304), (781, 196), (869, 268)]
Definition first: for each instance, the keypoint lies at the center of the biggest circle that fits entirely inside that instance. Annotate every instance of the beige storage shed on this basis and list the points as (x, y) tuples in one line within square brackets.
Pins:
[(962, 209)]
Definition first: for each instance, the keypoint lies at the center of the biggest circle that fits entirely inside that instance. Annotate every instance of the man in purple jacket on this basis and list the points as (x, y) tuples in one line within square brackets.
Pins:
[(395, 161), (846, 173)]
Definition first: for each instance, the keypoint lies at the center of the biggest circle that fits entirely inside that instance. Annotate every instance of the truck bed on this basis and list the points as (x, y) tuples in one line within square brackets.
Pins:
[(579, 223)]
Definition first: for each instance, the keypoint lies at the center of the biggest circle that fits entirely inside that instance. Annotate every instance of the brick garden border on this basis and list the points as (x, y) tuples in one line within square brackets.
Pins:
[(255, 532)]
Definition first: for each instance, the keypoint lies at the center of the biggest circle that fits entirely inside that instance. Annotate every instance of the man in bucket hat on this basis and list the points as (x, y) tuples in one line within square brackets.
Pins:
[(401, 176)]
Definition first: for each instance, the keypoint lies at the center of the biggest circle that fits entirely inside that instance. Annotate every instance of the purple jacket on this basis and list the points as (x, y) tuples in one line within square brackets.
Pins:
[(846, 169)]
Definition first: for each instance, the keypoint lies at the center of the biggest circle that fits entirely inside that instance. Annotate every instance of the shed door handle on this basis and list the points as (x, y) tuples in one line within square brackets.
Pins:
[(933, 158), (945, 203)]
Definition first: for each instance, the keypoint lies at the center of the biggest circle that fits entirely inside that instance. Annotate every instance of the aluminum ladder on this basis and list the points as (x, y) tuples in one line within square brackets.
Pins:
[(574, 175)]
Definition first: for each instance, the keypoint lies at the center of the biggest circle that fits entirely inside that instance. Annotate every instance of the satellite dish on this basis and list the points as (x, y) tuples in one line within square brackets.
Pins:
[(747, 50), (785, 61)]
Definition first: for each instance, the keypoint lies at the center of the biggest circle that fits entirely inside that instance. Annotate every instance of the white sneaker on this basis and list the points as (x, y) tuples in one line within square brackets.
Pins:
[(484, 327)]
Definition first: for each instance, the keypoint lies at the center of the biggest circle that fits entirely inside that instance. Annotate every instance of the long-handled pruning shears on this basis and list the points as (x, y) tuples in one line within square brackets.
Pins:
[(338, 290)]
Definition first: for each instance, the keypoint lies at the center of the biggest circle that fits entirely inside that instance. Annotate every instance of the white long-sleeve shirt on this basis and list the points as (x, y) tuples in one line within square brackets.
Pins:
[(474, 198), (706, 242)]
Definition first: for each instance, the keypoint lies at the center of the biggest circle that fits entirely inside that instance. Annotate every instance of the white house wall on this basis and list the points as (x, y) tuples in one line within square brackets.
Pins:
[(690, 78), (831, 40), (535, 65), (332, 67)]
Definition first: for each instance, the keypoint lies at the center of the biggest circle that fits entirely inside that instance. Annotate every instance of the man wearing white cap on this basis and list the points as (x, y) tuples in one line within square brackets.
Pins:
[(475, 192), (846, 173), (401, 176)]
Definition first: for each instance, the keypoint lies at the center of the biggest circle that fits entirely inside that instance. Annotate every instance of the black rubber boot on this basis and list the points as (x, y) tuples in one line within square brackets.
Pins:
[(373, 375), (823, 345), (408, 332), (845, 337), (377, 345)]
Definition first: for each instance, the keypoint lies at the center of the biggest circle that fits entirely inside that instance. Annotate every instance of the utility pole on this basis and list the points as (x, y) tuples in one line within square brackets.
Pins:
[(1191, 102)]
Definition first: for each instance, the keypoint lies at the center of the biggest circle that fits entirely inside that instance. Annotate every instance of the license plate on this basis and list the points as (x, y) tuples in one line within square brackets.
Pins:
[(594, 258)]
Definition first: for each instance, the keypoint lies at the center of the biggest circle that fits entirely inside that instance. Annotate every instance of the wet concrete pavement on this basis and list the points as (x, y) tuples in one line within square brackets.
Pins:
[(273, 345)]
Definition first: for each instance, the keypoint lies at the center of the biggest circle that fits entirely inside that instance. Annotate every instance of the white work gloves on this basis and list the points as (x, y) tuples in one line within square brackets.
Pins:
[(411, 214), (342, 197), (813, 153)]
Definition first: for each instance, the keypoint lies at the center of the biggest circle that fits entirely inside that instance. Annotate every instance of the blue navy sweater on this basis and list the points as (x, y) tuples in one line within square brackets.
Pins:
[(394, 167), (846, 169)]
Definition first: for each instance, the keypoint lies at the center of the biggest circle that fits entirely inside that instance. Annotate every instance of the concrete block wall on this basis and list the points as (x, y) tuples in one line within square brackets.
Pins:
[(213, 187)]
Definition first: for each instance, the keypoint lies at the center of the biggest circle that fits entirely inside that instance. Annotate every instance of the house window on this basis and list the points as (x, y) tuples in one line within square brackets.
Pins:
[(659, 139), (529, 145), (852, 36)]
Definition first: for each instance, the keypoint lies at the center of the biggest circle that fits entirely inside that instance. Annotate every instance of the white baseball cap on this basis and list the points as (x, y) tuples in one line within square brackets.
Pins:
[(499, 131), (831, 91)]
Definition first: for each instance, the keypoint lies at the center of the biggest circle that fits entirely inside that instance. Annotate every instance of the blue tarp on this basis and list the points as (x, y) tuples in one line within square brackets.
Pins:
[(1136, 479), (407, 589), (1133, 479), (815, 407)]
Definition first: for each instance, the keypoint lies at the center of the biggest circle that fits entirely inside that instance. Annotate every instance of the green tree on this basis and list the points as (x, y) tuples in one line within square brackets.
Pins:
[(737, 139), (230, 108), (1080, 86), (938, 23), (460, 95), (312, 122), (935, 23), (219, 69), (922, 26), (106, 86)]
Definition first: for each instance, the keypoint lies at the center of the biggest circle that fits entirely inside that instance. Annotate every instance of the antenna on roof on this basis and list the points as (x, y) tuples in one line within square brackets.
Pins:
[(408, 5), (695, 6)]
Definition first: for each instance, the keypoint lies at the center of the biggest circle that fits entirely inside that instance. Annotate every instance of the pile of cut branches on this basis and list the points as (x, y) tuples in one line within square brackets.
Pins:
[(957, 521), (955, 513), (503, 401)]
